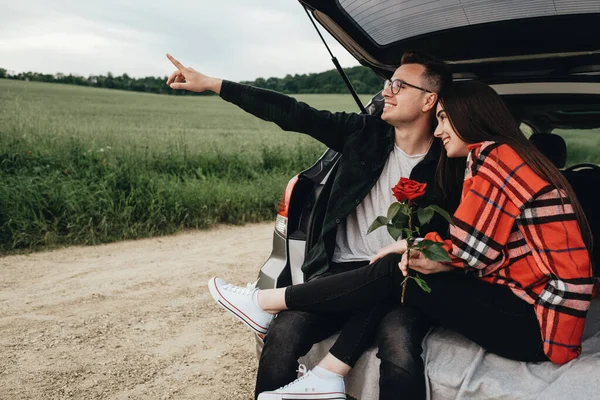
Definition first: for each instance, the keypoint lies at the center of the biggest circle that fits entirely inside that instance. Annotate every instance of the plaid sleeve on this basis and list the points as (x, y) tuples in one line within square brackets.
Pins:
[(483, 223)]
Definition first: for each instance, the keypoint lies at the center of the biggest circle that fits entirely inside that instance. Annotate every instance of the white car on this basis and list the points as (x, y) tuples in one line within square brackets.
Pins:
[(543, 58)]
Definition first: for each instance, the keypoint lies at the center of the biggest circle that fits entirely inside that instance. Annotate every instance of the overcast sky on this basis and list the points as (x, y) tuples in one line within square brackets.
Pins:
[(233, 39)]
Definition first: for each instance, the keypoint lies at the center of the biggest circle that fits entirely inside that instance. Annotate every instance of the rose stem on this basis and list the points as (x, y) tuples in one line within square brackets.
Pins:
[(409, 242)]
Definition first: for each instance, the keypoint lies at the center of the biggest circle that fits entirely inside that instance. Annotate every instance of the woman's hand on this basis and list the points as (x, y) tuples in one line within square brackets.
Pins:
[(421, 264), (189, 79), (396, 247)]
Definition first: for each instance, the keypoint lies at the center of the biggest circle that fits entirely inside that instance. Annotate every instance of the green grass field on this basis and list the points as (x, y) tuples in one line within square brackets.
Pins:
[(82, 166)]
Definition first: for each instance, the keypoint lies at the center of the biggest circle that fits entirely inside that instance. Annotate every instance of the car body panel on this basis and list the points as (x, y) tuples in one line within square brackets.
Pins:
[(276, 268)]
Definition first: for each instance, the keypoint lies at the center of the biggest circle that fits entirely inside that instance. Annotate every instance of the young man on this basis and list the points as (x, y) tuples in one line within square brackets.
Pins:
[(376, 152)]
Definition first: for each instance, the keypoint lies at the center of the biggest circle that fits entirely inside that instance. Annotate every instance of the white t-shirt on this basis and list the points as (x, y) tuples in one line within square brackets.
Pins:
[(352, 242)]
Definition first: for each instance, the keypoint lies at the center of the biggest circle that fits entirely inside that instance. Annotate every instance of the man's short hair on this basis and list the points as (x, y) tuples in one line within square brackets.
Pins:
[(437, 75)]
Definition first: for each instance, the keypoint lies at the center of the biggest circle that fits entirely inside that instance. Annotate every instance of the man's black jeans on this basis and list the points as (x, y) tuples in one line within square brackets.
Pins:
[(399, 335), (490, 315)]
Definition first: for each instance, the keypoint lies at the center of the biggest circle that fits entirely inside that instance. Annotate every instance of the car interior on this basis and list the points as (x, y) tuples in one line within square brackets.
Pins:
[(545, 116)]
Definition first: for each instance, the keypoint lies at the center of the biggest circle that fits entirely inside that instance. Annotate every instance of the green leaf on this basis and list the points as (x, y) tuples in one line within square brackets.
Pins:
[(424, 215), (407, 233), (435, 252), (393, 210), (422, 284), (378, 223), (394, 232), (399, 221), (400, 217), (442, 212), (405, 209)]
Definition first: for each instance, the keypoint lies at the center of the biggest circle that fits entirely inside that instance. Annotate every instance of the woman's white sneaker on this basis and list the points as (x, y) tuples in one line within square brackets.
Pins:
[(309, 386), (241, 302)]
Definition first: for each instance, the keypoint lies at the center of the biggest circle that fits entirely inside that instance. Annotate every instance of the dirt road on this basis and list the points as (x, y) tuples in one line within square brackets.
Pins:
[(130, 320)]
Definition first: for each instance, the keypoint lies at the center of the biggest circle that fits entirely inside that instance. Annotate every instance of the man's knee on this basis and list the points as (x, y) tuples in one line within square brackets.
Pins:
[(399, 348), (400, 335)]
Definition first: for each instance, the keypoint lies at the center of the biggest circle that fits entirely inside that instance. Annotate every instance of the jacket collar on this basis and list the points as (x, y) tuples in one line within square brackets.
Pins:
[(433, 155)]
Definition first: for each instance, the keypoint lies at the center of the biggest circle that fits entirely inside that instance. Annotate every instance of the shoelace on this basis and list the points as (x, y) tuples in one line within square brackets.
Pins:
[(238, 289), (302, 370)]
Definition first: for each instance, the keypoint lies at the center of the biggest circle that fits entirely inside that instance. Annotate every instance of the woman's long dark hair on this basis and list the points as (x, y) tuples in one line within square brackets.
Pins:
[(478, 114)]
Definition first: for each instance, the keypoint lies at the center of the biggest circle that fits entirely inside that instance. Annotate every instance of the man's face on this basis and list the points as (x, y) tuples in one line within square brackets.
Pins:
[(409, 103)]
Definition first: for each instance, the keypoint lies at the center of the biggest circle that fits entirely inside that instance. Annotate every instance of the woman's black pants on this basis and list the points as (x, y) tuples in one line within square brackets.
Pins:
[(490, 315)]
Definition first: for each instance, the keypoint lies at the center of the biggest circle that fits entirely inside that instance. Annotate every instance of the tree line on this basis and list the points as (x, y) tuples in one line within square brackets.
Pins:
[(363, 79)]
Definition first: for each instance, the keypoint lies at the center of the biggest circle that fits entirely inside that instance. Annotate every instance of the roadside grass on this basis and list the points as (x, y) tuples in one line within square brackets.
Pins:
[(84, 166)]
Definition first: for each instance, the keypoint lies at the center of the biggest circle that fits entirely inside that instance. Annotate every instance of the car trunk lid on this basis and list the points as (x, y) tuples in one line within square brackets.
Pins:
[(490, 40)]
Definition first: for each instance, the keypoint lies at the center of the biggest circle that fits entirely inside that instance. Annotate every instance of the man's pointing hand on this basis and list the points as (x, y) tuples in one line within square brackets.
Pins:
[(187, 78)]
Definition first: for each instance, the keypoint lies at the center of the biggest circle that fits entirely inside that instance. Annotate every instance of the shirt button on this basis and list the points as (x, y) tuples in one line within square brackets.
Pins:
[(362, 162), (357, 201), (337, 221)]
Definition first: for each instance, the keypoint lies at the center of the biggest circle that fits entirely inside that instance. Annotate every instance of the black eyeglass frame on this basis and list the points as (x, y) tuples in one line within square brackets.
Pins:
[(390, 84)]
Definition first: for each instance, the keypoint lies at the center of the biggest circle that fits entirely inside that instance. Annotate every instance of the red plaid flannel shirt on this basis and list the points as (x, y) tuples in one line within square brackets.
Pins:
[(512, 229)]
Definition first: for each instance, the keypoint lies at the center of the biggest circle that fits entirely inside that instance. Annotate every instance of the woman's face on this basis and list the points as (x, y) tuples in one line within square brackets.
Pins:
[(454, 145)]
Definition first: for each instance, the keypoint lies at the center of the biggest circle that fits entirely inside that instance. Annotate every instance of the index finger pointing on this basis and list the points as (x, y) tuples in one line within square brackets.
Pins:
[(175, 62)]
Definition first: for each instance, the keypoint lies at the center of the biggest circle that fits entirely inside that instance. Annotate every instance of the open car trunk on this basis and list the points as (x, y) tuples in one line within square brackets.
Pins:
[(523, 48)]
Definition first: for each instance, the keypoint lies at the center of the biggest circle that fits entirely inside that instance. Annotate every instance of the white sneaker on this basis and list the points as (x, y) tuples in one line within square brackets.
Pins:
[(308, 386), (240, 302)]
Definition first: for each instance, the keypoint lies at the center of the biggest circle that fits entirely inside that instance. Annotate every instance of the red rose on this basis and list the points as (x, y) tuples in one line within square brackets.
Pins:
[(407, 189)]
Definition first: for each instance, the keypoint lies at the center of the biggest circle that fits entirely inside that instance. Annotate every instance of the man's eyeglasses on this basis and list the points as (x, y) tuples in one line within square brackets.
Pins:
[(397, 84)]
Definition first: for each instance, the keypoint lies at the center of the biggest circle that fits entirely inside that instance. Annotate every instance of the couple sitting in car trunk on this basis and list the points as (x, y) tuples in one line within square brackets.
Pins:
[(519, 282)]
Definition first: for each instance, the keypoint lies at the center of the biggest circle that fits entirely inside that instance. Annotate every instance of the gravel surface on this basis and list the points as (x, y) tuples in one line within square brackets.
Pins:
[(129, 320)]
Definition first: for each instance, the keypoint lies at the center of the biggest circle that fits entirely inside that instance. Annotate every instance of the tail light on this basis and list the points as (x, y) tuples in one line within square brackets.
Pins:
[(284, 206)]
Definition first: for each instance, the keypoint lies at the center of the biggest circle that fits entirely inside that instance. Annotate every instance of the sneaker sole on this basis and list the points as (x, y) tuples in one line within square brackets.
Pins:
[(305, 396), (222, 301)]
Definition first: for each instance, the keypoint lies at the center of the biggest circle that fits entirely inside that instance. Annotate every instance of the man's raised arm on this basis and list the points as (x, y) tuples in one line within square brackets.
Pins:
[(329, 128)]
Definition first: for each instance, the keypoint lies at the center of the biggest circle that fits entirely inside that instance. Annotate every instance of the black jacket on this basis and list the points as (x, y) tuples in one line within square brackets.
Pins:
[(365, 143)]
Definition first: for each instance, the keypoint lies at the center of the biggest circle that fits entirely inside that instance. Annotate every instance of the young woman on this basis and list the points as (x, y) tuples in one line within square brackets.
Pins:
[(520, 280)]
